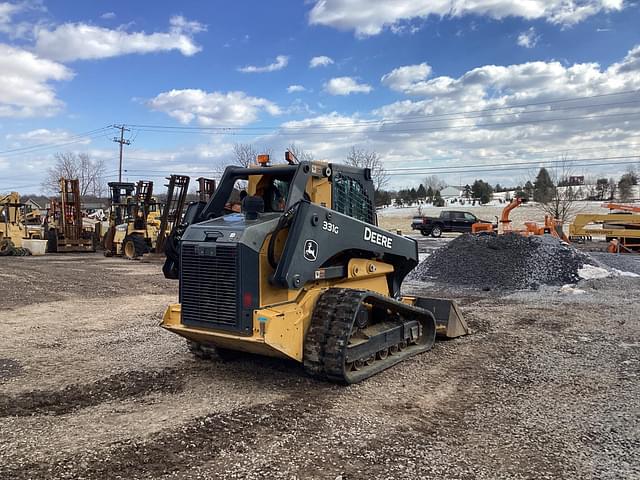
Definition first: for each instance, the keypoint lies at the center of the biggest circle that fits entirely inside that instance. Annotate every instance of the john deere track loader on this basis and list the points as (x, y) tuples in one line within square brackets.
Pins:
[(302, 272)]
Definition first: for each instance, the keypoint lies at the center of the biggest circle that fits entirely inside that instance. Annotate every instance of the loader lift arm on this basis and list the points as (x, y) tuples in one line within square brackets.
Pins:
[(330, 240)]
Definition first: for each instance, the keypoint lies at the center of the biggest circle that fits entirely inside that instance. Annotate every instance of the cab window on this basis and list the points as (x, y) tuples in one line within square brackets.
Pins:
[(277, 196)]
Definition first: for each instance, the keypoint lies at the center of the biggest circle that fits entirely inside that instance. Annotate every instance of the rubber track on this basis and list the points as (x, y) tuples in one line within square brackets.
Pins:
[(329, 332), (328, 336), (315, 340)]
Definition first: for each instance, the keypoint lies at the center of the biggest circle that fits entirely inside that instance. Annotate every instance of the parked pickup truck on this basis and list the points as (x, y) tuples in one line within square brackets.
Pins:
[(448, 221)]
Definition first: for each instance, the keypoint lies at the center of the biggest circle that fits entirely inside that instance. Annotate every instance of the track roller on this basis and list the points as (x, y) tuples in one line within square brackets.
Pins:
[(343, 347)]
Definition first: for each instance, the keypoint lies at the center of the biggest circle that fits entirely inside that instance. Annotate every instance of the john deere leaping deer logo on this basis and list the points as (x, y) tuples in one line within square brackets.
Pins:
[(310, 250)]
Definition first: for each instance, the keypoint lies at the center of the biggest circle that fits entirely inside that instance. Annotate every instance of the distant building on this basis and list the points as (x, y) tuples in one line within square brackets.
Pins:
[(31, 205), (451, 192), (576, 180)]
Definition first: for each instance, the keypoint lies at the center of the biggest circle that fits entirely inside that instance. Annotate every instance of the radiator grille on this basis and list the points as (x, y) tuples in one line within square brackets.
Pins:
[(209, 286)]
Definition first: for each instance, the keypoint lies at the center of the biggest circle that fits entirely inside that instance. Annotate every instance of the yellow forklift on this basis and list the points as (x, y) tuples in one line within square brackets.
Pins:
[(16, 225), (139, 223), (134, 219)]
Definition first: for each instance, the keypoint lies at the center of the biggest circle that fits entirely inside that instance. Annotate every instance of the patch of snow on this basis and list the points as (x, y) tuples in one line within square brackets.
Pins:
[(588, 272), (625, 274), (571, 289)]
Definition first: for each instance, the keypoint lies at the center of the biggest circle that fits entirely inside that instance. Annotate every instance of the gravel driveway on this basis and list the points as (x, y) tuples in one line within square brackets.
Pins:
[(547, 386)]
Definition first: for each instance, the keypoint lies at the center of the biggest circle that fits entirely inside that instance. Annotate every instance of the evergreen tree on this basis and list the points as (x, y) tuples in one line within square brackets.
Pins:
[(430, 193), (438, 201), (627, 181), (543, 187), (382, 198), (602, 189), (528, 190), (482, 191), (422, 192)]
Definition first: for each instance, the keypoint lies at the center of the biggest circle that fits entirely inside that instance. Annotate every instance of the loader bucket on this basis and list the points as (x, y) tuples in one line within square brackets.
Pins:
[(449, 320)]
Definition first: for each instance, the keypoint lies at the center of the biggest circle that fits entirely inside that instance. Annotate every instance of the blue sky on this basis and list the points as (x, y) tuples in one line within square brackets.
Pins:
[(463, 92)]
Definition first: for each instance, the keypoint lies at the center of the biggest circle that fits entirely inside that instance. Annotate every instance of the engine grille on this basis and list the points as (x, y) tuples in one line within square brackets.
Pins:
[(209, 286)]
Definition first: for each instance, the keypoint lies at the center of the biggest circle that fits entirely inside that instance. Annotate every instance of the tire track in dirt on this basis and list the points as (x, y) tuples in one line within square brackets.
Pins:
[(186, 446), (115, 387)]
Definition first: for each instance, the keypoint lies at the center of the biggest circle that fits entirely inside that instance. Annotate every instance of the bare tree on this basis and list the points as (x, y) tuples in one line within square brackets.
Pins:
[(90, 173), (435, 182), (563, 201), (362, 158), (300, 153), (246, 154)]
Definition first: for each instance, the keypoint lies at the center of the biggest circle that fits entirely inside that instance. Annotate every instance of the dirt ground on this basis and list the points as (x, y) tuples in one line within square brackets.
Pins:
[(546, 387)]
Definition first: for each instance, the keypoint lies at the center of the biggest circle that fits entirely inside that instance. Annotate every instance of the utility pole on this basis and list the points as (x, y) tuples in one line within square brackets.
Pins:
[(122, 143)]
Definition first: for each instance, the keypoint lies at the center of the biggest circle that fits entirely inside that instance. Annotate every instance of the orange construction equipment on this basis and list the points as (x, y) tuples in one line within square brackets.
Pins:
[(504, 224), (550, 227), (622, 206)]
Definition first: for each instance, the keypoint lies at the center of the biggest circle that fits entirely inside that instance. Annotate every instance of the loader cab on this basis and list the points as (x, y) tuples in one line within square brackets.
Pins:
[(277, 188), (347, 190)]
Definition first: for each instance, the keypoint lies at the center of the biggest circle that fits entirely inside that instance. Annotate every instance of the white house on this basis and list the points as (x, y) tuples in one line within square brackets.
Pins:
[(451, 192)]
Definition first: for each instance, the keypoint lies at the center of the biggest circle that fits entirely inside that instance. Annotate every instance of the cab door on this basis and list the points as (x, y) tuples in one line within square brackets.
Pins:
[(469, 220), (458, 222)]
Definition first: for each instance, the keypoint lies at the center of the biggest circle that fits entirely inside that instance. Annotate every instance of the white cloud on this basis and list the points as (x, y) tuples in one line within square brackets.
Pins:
[(16, 29), (321, 61), (7, 10), (630, 63), (405, 79), (435, 131), (43, 135), (296, 88), (25, 88), (345, 86), (531, 81), (281, 62), (80, 41), (212, 108), (358, 15), (108, 15), (529, 38)]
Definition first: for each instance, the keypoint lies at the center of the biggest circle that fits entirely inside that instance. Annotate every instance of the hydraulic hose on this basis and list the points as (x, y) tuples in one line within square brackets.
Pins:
[(284, 222)]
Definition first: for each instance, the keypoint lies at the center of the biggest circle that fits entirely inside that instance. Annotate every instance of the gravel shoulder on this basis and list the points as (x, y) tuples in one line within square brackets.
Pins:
[(90, 387)]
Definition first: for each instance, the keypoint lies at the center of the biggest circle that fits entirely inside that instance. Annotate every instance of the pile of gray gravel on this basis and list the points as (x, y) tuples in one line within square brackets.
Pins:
[(504, 262)]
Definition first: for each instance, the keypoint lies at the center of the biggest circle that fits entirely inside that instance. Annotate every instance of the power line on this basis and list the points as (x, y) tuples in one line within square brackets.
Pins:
[(314, 130), (507, 169), (550, 102), (538, 153), (436, 170), (70, 140), (409, 169), (122, 143)]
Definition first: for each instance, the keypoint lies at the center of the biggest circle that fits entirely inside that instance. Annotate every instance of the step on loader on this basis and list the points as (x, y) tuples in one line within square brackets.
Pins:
[(301, 272)]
